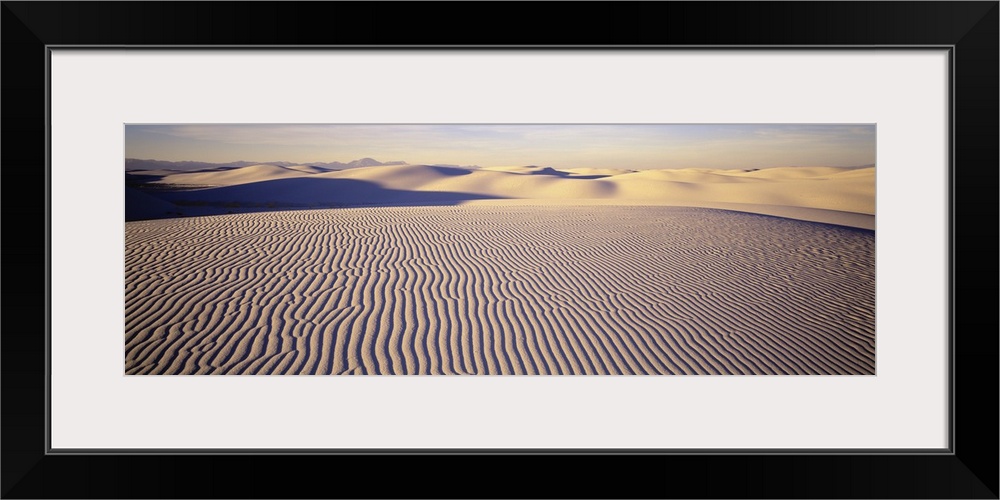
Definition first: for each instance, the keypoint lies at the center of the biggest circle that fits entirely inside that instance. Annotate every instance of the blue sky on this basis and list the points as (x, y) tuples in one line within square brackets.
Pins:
[(640, 146)]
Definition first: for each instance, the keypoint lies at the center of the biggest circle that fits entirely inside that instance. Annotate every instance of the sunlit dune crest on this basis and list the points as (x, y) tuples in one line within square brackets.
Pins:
[(253, 173)]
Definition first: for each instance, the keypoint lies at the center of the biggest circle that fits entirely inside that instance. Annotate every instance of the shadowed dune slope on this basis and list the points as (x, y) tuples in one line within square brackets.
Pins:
[(313, 192), (540, 289), (139, 205)]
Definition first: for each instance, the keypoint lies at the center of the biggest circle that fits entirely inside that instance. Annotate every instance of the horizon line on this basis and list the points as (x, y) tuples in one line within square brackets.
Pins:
[(404, 162)]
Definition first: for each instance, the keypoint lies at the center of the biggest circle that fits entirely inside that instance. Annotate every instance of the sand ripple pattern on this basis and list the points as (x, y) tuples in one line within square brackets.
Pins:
[(548, 290)]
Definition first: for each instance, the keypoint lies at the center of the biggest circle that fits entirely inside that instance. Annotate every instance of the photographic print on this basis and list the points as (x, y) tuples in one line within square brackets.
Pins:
[(499, 249)]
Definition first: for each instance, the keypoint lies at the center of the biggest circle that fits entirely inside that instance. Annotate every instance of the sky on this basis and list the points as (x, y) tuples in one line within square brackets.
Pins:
[(637, 147)]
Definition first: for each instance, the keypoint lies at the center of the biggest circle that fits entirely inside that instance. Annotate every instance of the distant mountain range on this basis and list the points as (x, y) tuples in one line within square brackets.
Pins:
[(138, 164)]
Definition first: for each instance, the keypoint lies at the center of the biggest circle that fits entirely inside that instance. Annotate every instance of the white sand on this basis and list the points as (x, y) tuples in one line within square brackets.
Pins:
[(513, 270)]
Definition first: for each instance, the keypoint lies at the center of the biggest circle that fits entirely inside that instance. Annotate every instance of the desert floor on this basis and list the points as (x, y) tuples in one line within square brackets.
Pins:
[(502, 271)]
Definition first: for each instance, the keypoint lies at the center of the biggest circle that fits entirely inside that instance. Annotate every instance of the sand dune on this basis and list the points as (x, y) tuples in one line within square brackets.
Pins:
[(540, 289), (854, 194), (573, 173), (314, 192), (802, 172), (308, 169), (823, 194), (597, 171), (688, 176), (229, 177)]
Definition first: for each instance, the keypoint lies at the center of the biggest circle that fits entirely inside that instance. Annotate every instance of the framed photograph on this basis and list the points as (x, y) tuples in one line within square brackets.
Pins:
[(728, 251), (501, 249)]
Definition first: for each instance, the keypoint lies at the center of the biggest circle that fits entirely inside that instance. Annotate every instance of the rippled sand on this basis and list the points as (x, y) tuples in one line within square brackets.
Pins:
[(498, 289)]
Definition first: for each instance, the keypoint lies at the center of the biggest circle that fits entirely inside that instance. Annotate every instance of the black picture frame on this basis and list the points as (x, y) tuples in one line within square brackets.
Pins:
[(968, 470)]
